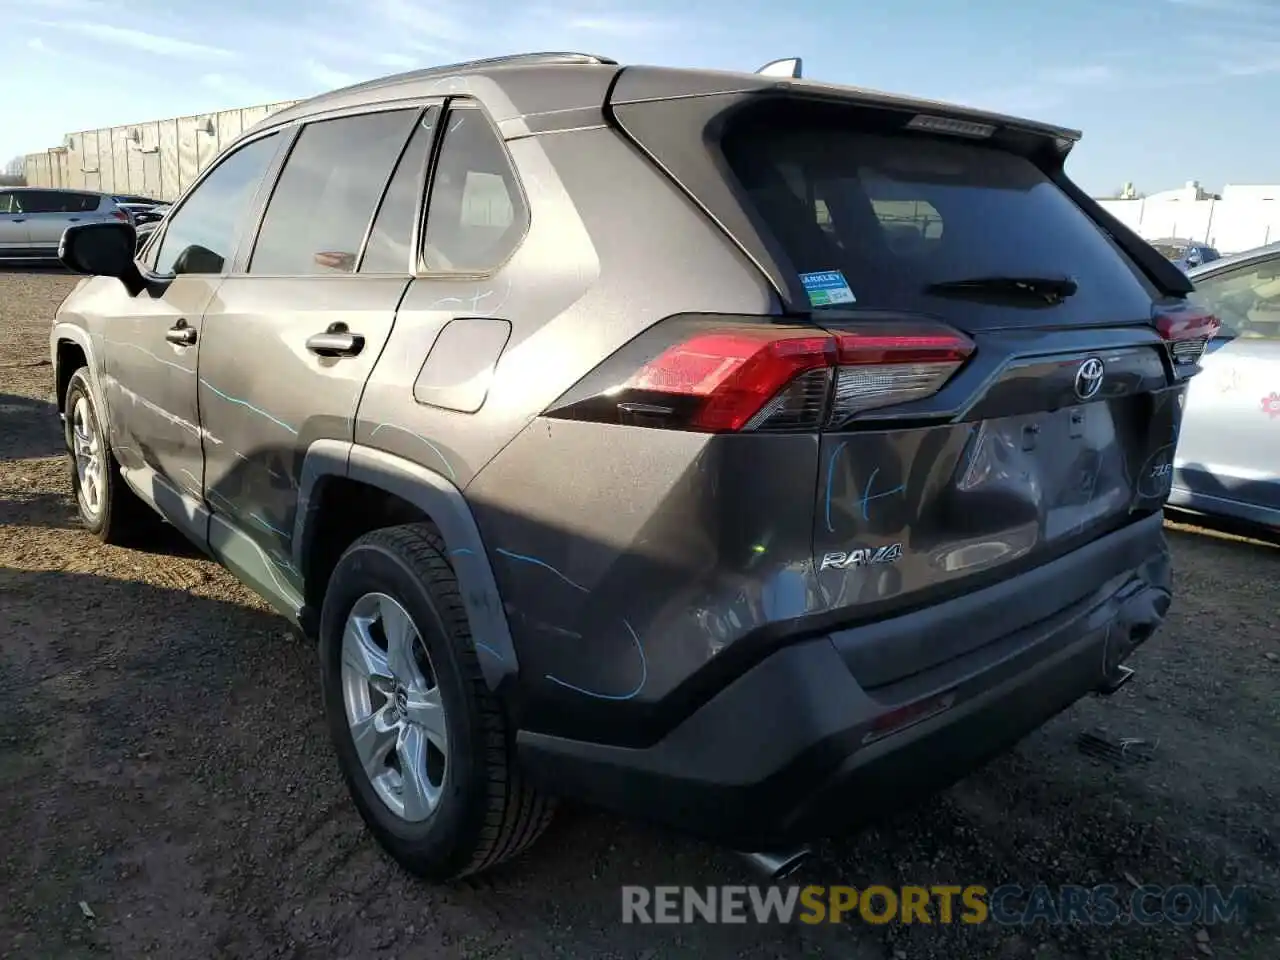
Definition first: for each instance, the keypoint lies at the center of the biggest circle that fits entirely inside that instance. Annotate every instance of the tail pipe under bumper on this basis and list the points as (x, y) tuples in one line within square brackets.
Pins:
[(1141, 614), (776, 866)]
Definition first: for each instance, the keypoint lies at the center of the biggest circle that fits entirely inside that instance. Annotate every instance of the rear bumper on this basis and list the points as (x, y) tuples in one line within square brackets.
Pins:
[(796, 749)]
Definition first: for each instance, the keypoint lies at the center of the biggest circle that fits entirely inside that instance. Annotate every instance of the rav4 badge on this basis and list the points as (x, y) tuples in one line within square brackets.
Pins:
[(861, 557)]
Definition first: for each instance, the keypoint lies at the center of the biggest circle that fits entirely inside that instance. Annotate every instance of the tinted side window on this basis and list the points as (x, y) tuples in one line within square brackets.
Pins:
[(39, 201), (1247, 301), (325, 197), (8, 203), (201, 234), (476, 215), (390, 241)]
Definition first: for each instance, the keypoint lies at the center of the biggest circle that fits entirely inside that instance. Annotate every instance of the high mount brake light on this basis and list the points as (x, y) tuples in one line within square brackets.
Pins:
[(1188, 331), (744, 376)]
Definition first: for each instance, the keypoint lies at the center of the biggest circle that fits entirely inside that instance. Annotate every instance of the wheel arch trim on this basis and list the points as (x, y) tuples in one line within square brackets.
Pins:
[(444, 503), (73, 333)]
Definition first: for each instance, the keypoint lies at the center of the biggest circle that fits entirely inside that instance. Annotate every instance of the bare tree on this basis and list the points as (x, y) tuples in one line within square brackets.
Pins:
[(14, 173)]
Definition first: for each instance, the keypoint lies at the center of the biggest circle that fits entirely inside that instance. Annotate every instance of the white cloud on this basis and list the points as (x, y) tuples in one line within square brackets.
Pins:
[(1083, 76), (148, 42), (620, 26), (424, 21), (238, 92), (328, 77), (1225, 6), (38, 45), (397, 61)]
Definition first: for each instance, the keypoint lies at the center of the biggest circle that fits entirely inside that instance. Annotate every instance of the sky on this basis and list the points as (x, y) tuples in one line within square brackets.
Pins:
[(1165, 90)]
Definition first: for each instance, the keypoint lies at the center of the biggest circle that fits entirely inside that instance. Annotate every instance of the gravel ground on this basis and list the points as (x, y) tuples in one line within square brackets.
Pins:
[(163, 761)]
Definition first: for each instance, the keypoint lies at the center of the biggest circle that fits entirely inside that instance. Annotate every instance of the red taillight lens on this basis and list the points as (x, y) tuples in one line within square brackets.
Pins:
[(121, 215), (692, 373), (734, 373), (1188, 330)]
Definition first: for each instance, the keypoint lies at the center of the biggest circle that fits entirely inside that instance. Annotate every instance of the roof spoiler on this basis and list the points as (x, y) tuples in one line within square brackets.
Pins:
[(789, 67)]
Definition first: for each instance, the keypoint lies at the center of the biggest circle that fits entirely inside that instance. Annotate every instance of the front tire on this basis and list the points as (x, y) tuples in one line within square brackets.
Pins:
[(422, 743), (108, 508)]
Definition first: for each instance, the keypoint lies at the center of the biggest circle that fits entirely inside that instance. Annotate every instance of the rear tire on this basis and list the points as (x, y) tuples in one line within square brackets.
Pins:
[(477, 810), (108, 508)]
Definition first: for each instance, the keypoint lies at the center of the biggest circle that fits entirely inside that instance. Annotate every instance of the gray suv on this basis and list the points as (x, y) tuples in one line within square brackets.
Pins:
[(32, 219), (732, 451)]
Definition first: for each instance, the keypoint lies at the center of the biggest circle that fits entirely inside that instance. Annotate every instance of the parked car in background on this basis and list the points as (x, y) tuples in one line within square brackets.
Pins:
[(32, 219), (144, 232), (752, 516), (1187, 254), (151, 211), (1228, 454)]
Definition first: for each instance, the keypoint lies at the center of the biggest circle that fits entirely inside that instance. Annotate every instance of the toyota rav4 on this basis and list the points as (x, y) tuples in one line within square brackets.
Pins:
[(732, 451)]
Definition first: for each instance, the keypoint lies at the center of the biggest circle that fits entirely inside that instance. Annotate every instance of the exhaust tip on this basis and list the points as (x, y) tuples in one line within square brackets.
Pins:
[(776, 866), (1116, 680)]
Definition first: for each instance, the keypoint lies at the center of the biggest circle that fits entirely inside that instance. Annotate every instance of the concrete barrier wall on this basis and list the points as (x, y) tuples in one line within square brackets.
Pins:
[(1229, 225), (157, 159)]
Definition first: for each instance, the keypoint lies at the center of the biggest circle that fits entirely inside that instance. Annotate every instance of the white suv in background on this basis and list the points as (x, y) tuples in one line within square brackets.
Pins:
[(32, 219)]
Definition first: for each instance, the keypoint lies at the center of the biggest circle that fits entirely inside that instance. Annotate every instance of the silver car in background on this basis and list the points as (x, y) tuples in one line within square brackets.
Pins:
[(32, 219), (1228, 456)]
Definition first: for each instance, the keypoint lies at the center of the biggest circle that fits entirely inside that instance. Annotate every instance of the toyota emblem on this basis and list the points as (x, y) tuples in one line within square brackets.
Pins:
[(1089, 379)]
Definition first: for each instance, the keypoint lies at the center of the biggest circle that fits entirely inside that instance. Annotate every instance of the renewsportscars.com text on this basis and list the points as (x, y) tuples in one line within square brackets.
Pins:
[(1008, 904)]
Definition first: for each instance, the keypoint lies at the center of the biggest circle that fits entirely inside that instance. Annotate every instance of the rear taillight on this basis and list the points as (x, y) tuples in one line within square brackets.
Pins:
[(1187, 329), (728, 374), (122, 215)]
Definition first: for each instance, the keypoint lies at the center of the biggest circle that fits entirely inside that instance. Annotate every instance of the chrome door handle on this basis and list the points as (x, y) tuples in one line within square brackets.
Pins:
[(181, 334), (337, 341)]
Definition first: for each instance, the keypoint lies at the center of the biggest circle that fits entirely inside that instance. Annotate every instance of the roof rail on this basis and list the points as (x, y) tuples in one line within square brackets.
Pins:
[(468, 66), (526, 59)]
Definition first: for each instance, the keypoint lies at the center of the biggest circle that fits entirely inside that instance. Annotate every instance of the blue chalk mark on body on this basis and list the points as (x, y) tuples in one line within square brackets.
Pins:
[(523, 558), (868, 496), (831, 476), (635, 639), (434, 449), (485, 648), (248, 406)]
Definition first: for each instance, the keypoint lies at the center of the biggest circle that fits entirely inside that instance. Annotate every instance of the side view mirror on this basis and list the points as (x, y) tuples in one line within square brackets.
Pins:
[(99, 249), (197, 259)]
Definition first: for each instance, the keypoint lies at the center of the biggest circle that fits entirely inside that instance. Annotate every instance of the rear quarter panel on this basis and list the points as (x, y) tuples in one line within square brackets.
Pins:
[(612, 248)]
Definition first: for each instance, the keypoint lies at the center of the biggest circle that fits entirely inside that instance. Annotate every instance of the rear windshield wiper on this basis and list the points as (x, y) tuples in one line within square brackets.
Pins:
[(1051, 290)]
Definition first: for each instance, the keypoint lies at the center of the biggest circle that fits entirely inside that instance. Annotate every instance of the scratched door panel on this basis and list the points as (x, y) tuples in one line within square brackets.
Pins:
[(265, 397), (149, 384)]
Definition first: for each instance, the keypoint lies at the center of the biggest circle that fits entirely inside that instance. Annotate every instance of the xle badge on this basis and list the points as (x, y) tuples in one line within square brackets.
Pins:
[(861, 557)]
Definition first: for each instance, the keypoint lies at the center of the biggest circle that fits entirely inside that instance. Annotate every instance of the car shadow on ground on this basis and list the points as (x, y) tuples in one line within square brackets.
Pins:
[(29, 429), (188, 723), (50, 268)]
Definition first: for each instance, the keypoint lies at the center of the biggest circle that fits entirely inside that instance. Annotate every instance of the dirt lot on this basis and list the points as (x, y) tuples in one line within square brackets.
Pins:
[(162, 759)]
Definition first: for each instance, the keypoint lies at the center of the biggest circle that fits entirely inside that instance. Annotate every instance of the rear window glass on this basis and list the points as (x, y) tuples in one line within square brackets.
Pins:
[(895, 213), (1170, 252)]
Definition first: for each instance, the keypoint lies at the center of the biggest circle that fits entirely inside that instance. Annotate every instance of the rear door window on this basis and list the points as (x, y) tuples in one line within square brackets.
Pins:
[(390, 246), (476, 216), (322, 204), (895, 213)]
